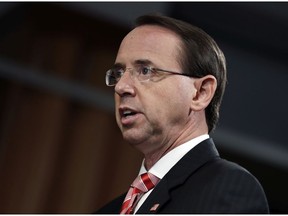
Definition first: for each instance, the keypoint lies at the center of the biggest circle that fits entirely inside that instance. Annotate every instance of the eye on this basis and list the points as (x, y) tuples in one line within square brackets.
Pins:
[(145, 70), (117, 72)]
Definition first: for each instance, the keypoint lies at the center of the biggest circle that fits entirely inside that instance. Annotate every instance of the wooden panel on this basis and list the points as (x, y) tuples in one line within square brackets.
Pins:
[(59, 155)]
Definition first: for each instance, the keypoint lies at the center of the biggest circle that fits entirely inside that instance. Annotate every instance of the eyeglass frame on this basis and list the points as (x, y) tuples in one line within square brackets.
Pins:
[(151, 69)]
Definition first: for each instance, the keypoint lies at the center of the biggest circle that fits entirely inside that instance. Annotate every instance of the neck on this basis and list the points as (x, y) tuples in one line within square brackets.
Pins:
[(168, 145)]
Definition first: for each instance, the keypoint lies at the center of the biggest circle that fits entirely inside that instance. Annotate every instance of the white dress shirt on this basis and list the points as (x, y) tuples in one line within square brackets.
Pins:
[(165, 163)]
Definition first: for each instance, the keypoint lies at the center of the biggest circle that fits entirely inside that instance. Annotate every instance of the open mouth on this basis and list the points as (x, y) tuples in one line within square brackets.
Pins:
[(128, 116), (127, 113)]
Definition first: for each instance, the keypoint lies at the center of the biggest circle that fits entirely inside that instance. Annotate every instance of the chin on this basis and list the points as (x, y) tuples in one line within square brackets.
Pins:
[(132, 138)]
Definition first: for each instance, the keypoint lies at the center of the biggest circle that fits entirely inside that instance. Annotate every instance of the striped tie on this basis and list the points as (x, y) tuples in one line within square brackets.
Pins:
[(141, 185)]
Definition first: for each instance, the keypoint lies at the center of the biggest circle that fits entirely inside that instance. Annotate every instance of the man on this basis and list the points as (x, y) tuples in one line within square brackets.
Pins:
[(169, 79)]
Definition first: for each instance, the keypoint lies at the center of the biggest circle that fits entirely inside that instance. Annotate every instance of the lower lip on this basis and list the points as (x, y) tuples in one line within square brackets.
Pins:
[(129, 119)]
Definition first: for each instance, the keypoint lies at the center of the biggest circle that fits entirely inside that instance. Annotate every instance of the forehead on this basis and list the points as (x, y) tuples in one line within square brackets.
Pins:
[(154, 43)]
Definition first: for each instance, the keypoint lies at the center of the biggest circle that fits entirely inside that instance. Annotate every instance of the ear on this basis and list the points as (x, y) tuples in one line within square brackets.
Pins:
[(205, 90)]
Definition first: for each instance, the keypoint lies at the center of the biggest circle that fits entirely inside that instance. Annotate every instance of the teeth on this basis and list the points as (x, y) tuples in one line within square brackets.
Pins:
[(127, 112)]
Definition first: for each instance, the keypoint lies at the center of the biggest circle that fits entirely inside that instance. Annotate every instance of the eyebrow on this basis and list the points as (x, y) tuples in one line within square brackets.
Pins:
[(136, 62), (118, 65), (143, 62)]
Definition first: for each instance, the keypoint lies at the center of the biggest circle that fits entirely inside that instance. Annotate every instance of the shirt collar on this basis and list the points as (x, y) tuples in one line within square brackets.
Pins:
[(162, 166)]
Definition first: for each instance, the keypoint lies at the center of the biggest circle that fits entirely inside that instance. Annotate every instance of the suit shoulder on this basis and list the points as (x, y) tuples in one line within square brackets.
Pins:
[(229, 165), (228, 169), (227, 182), (232, 167)]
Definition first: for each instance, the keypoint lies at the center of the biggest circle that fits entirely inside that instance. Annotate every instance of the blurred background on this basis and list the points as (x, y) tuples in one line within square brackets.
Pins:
[(60, 148)]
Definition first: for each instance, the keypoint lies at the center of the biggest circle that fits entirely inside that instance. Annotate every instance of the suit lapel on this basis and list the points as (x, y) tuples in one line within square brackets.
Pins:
[(195, 158)]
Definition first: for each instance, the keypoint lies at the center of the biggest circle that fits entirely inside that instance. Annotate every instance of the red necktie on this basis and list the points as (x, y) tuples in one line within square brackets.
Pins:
[(141, 185)]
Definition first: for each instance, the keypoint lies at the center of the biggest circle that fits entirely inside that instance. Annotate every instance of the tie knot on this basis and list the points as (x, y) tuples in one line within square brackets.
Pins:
[(145, 182), (141, 184)]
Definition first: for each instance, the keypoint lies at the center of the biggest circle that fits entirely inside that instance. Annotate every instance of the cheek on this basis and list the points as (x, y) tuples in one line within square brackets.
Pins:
[(160, 104), (173, 101)]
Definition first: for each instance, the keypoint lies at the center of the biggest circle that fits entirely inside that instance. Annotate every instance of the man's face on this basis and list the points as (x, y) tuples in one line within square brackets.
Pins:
[(152, 114)]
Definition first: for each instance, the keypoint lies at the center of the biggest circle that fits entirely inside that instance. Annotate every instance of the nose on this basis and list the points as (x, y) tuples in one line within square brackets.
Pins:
[(125, 86)]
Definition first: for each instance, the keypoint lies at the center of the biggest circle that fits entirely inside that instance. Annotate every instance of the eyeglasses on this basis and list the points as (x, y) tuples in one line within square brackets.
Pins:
[(141, 72)]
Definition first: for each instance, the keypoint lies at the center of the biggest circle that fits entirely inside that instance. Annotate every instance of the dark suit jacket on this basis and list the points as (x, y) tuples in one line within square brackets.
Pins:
[(202, 182)]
